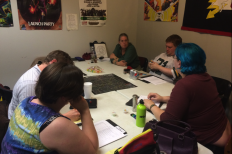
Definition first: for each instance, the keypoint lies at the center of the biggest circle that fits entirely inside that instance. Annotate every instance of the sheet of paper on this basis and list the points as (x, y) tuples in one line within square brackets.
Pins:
[(107, 133), (71, 21), (145, 97), (77, 122), (154, 80)]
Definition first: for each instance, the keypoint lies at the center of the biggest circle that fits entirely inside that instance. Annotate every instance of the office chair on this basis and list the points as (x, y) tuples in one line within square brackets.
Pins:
[(224, 89), (143, 63), (4, 121), (6, 94)]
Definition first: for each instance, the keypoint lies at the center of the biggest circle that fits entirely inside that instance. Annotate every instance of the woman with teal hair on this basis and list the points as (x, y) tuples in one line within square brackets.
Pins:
[(195, 100)]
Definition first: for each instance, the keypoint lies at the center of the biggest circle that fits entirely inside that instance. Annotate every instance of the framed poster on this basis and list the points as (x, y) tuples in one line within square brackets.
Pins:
[(40, 14), (6, 19), (100, 50), (161, 10)]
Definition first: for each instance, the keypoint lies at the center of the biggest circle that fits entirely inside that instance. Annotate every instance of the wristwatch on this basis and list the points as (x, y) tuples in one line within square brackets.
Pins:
[(152, 106)]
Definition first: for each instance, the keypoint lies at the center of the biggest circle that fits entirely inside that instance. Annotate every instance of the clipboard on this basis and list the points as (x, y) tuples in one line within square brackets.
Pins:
[(108, 132), (115, 125)]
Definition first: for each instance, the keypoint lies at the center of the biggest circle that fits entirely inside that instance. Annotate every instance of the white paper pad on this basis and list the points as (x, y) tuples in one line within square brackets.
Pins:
[(154, 80), (100, 50), (145, 97), (108, 133)]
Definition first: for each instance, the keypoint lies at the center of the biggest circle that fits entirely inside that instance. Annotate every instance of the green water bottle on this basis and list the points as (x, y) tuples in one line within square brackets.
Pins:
[(141, 114)]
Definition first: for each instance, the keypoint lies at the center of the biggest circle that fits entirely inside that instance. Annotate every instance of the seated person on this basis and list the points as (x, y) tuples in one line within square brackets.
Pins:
[(162, 66), (37, 126), (25, 86), (125, 53), (194, 99)]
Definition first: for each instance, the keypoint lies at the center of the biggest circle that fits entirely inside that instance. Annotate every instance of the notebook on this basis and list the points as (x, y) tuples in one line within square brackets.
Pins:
[(108, 132)]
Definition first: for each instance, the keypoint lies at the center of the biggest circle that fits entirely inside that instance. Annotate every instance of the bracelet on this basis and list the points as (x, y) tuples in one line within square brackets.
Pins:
[(115, 61), (152, 106)]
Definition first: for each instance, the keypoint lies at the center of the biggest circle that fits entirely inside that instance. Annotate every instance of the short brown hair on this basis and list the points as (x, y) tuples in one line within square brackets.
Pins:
[(123, 34), (59, 80), (60, 56), (175, 39), (38, 60)]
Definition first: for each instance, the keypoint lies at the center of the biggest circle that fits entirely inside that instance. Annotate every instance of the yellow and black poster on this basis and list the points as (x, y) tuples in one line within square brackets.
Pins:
[(161, 10)]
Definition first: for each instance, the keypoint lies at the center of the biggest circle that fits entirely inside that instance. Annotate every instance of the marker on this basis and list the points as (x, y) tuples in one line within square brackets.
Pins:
[(133, 115)]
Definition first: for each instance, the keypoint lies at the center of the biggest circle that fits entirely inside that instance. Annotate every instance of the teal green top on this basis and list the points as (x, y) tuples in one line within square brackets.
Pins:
[(130, 55)]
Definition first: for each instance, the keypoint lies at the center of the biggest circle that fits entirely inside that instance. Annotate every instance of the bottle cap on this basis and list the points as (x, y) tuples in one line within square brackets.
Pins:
[(141, 101)]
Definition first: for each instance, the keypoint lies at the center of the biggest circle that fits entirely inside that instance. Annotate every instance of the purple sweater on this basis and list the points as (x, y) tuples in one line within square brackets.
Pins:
[(195, 100)]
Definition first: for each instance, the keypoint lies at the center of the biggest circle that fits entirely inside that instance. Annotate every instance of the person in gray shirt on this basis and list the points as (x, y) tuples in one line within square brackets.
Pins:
[(25, 86)]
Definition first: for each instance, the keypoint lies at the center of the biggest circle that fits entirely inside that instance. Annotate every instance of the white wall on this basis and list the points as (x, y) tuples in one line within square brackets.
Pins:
[(151, 38), (19, 48)]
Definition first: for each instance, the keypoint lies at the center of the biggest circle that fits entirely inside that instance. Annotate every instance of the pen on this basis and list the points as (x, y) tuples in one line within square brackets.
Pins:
[(79, 124), (133, 115)]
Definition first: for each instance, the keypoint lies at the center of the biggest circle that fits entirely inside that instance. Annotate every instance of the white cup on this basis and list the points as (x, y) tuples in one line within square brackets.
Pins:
[(87, 90)]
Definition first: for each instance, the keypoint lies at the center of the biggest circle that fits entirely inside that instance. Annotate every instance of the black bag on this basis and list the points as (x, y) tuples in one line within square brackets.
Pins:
[(173, 137)]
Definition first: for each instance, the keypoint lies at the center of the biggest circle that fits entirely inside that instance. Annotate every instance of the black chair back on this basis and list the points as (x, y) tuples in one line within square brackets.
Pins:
[(224, 89), (6, 94), (143, 63), (4, 121)]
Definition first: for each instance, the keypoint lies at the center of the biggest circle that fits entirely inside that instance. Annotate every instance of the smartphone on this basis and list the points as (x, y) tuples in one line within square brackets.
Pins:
[(91, 102)]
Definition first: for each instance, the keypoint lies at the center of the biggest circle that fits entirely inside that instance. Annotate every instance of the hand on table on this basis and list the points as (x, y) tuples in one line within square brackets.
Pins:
[(73, 114), (154, 109), (148, 103), (155, 96), (122, 63)]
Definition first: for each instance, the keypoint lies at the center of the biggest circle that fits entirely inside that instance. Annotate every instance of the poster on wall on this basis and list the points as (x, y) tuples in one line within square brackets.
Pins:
[(161, 10), (6, 19), (93, 12), (208, 16), (40, 14)]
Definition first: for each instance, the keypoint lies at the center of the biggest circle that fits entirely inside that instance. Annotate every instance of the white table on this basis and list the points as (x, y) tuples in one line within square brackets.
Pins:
[(141, 89), (115, 102)]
